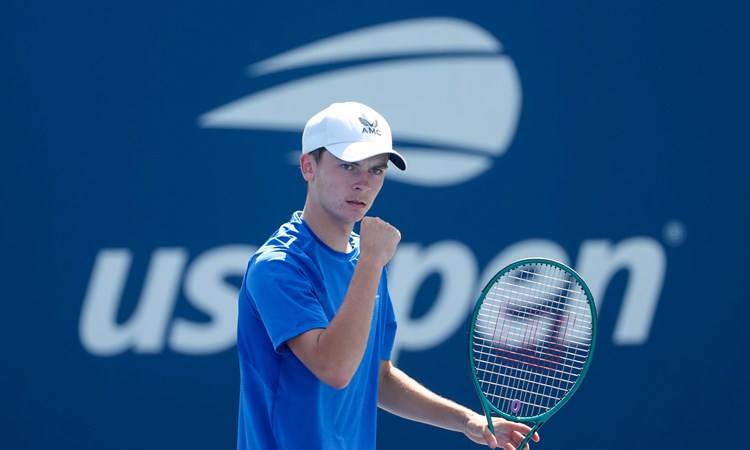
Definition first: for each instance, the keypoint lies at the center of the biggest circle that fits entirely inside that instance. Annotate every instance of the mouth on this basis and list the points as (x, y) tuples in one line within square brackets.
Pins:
[(356, 204)]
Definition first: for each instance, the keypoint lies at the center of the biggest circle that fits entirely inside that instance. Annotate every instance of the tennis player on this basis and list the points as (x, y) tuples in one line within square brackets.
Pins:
[(316, 324)]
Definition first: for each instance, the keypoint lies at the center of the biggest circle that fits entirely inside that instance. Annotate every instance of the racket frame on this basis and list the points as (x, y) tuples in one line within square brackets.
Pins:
[(540, 419)]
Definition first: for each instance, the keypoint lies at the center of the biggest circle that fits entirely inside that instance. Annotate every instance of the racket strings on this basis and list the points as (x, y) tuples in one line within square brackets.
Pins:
[(557, 314), (489, 352), (532, 337), (578, 337)]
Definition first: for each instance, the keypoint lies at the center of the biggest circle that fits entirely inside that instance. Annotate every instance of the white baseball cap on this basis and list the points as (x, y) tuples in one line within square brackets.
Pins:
[(352, 132)]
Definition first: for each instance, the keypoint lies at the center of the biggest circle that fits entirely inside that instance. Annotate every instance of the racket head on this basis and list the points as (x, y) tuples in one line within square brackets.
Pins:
[(532, 338)]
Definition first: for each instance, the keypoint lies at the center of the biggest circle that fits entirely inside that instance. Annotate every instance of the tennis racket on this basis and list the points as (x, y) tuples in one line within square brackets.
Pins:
[(532, 338)]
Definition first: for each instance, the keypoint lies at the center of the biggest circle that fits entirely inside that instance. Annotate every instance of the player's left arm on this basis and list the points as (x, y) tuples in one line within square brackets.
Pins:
[(401, 395)]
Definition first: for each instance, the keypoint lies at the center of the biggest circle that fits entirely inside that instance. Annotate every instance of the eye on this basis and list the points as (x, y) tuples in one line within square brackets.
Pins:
[(377, 171), (347, 167)]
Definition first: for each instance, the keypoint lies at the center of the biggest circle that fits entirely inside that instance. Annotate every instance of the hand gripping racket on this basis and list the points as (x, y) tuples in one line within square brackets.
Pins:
[(532, 338)]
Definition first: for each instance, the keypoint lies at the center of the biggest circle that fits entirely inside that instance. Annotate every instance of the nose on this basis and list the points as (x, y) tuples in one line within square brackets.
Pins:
[(362, 183)]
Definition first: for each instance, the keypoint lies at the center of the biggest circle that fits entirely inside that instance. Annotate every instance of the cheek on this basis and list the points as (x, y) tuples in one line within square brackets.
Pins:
[(377, 184), (329, 191)]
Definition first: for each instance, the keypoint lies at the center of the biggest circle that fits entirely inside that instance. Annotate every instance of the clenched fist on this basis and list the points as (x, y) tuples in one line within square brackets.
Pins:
[(377, 240)]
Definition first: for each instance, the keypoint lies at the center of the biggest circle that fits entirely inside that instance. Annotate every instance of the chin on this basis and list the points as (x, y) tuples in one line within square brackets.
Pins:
[(351, 217), (358, 217)]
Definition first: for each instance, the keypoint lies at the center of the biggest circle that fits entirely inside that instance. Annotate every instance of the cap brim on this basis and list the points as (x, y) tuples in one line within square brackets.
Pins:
[(357, 151)]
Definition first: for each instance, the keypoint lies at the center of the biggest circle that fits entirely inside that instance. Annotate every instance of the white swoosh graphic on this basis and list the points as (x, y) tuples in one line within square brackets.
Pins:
[(453, 107), (470, 103), (407, 37)]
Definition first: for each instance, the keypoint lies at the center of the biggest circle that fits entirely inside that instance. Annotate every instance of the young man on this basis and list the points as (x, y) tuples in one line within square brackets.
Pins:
[(316, 324)]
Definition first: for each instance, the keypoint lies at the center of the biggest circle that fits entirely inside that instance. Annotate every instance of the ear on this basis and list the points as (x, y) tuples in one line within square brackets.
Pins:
[(307, 166)]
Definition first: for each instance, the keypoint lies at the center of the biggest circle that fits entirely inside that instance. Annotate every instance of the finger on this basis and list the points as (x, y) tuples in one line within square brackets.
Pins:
[(523, 435), (518, 438), (489, 438), (527, 446), (525, 430)]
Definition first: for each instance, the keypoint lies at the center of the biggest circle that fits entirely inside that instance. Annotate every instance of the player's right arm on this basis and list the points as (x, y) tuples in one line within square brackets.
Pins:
[(333, 354)]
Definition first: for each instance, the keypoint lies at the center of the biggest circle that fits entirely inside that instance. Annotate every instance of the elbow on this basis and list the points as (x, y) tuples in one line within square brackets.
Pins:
[(338, 378), (337, 383)]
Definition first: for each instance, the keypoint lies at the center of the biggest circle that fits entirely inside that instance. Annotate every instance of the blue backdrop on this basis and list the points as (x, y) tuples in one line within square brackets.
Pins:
[(148, 148)]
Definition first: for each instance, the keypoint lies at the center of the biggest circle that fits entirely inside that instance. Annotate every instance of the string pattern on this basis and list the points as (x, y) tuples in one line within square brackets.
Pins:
[(532, 337)]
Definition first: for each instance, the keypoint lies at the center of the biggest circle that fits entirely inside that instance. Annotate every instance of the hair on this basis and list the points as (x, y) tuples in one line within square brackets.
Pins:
[(317, 154)]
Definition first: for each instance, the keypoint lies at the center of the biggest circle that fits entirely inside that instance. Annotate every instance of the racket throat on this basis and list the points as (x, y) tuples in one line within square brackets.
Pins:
[(528, 437), (488, 414)]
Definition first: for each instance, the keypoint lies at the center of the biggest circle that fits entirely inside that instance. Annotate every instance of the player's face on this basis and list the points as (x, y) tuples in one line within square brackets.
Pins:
[(346, 191)]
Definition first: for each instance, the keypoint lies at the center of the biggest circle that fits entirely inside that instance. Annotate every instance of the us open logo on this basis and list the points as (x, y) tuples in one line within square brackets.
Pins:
[(454, 101), (452, 97)]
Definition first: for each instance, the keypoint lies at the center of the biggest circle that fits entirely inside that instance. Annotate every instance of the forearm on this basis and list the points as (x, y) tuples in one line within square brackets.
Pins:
[(342, 345), (401, 395), (334, 353)]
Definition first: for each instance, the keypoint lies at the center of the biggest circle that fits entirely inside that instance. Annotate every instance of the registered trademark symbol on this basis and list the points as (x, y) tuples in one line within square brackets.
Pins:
[(674, 233)]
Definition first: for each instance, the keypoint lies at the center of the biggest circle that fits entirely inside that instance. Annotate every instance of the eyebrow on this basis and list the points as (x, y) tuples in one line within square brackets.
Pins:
[(378, 166)]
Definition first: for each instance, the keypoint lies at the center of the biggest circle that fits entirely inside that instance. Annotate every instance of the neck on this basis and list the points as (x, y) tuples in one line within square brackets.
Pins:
[(333, 232)]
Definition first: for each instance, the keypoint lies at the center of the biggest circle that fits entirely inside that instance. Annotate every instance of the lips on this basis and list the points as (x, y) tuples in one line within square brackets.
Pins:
[(356, 203)]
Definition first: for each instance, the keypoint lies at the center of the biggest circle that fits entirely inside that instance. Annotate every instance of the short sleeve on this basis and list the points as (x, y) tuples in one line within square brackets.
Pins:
[(388, 339), (389, 318), (285, 300)]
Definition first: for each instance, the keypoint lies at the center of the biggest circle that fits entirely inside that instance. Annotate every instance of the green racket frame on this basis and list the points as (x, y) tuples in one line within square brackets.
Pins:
[(540, 419)]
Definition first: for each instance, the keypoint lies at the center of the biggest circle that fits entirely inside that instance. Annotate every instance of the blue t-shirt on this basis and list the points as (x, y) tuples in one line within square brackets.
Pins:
[(295, 283)]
